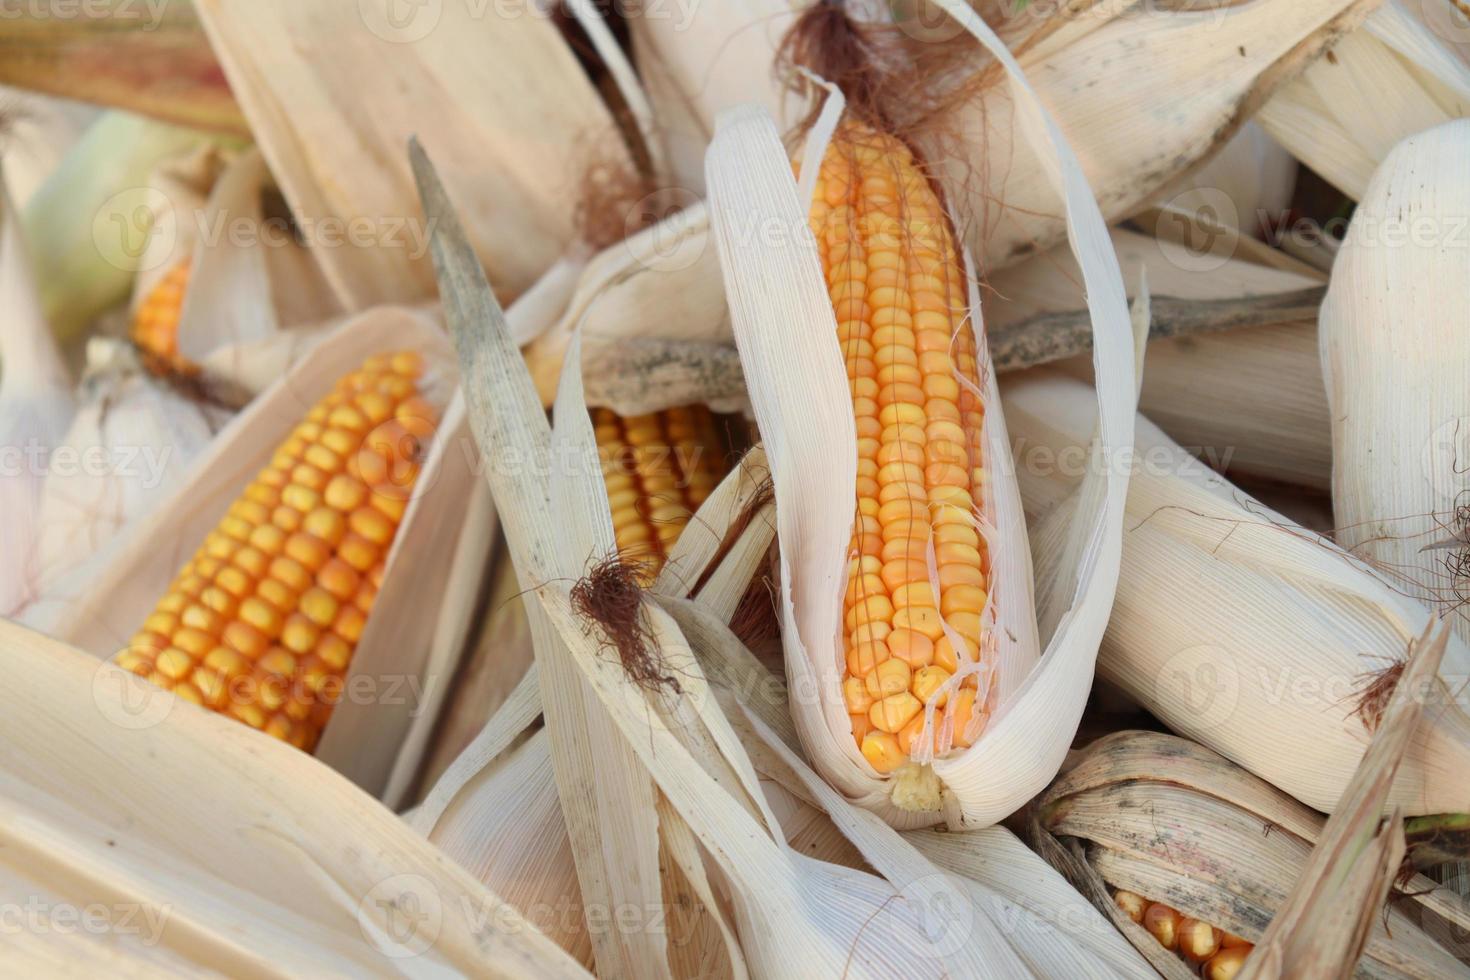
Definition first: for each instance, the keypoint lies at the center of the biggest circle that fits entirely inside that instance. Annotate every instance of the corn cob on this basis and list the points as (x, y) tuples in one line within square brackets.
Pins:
[(658, 469), (262, 623), (900, 298), (156, 323), (1217, 954)]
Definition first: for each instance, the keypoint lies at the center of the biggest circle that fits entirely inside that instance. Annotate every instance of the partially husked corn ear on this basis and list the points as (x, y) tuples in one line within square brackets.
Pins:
[(262, 622), (658, 469), (1217, 954), (156, 322), (901, 298)]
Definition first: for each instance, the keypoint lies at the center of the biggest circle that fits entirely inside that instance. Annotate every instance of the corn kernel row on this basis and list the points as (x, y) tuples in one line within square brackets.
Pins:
[(1217, 954)]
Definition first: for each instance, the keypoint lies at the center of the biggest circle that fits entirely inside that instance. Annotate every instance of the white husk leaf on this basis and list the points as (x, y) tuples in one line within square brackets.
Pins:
[(210, 848), (1178, 824), (1395, 334), (1398, 75), (787, 336), (459, 77), (1268, 670), (36, 407), (1249, 400), (793, 916), (399, 644), (129, 449), (232, 298), (175, 196)]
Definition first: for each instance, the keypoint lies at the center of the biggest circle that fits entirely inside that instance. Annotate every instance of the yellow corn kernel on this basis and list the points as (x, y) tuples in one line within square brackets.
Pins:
[(155, 327)]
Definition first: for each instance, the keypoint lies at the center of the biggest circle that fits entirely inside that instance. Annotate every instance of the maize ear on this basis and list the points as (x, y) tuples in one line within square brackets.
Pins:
[(917, 599), (155, 328), (658, 469), (262, 623)]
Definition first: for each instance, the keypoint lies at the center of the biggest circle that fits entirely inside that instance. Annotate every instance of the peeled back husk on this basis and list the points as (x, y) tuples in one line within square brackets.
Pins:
[(1172, 821), (1235, 627), (368, 731), (187, 844), (1395, 334), (788, 340)]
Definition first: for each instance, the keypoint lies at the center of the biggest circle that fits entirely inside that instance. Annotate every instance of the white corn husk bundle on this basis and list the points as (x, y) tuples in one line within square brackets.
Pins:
[(1395, 335), (1233, 626), (1402, 73), (36, 407), (459, 77), (128, 450), (406, 651), (1249, 400), (647, 772), (787, 334), (1178, 824), (144, 838)]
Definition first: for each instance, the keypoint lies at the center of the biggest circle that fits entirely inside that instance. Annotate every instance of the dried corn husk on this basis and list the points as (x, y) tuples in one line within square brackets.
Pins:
[(152, 59), (1179, 824), (1247, 184), (1269, 668), (1397, 76), (1248, 400), (459, 76), (1171, 62), (128, 450), (1322, 927), (36, 407), (682, 783), (208, 848), (399, 654), (90, 223), (1394, 344), (787, 336)]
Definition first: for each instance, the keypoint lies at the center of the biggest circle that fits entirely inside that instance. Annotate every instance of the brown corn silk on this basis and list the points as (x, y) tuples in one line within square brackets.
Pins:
[(261, 624), (1217, 954), (155, 328), (658, 469), (916, 608)]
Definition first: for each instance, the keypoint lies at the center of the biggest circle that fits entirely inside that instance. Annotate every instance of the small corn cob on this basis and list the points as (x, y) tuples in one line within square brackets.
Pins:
[(156, 323), (900, 297), (658, 469), (1217, 954), (262, 623)]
